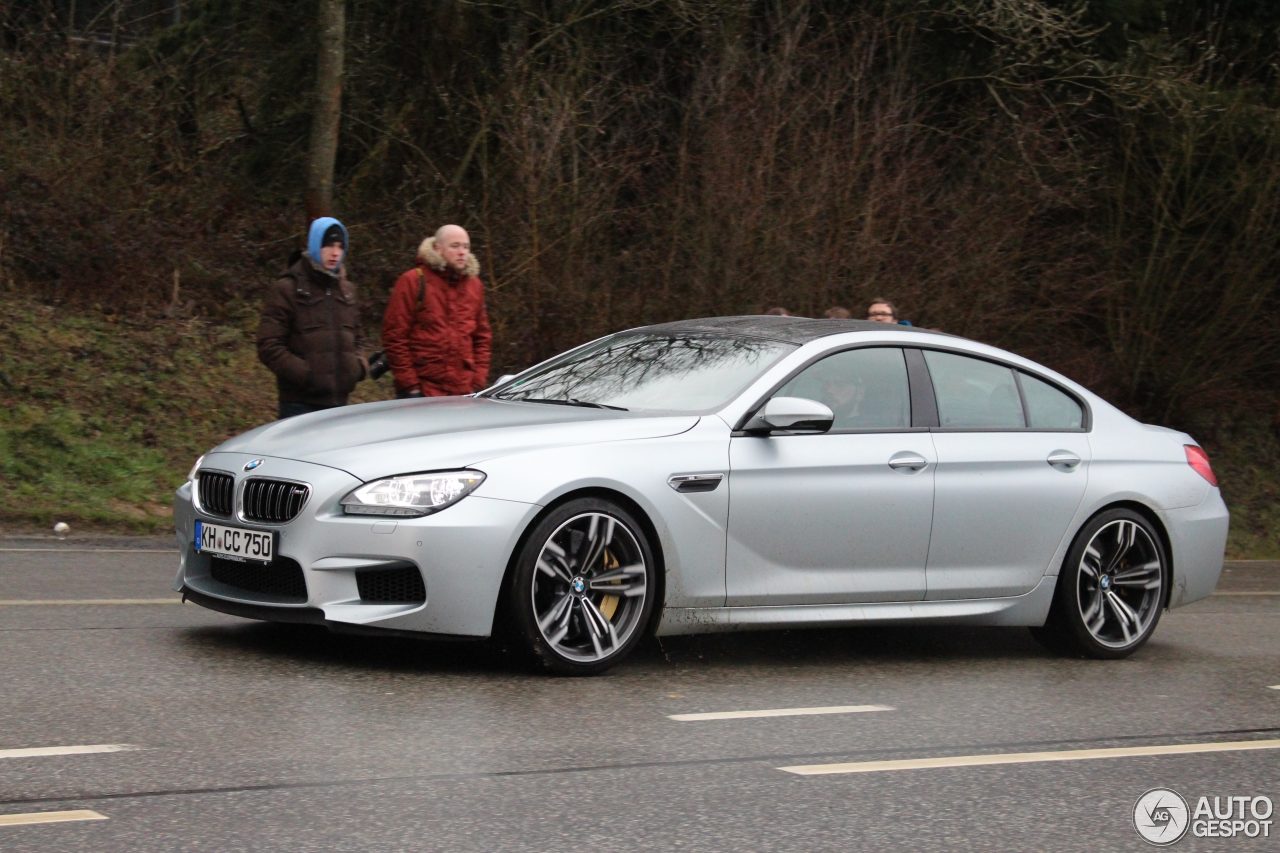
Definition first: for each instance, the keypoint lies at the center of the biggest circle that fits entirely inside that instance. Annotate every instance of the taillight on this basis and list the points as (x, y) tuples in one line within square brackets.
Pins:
[(1199, 460)]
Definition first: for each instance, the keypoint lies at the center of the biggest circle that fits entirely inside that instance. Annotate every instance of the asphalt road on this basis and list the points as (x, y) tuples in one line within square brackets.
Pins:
[(142, 724)]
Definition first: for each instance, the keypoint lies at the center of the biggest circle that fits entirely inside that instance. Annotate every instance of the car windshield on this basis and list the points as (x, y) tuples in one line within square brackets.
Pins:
[(648, 372)]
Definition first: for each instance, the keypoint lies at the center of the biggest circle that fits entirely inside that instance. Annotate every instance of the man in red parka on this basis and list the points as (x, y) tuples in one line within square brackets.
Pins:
[(436, 330)]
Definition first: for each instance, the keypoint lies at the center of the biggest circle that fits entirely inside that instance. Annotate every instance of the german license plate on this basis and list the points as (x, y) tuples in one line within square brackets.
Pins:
[(234, 542)]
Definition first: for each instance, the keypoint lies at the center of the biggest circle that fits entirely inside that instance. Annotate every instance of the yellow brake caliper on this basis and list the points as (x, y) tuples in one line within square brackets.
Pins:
[(609, 603)]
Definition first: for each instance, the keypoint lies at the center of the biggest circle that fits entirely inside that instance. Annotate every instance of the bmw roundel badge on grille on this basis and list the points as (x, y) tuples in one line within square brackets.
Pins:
[(251, 464)]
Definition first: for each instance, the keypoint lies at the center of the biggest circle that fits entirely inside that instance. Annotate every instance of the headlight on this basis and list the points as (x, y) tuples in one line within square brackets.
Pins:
[(412, 494), (191, 475)]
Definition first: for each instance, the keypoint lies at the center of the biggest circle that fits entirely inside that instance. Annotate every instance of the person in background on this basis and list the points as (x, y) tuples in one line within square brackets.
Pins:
[(838, 312), (881, 310), (436, 330), (777, 311), (309, 330)]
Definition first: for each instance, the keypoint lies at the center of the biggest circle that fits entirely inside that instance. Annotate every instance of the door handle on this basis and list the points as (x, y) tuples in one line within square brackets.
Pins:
[(1065, 458), (911, 461)]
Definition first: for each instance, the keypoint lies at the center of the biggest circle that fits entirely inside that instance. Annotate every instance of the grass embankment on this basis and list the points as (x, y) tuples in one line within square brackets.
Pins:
[(101, 417)]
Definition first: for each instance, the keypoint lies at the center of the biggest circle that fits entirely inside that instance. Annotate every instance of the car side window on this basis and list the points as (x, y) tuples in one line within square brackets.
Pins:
[(1049, 408), (864, 388), (973, 393)]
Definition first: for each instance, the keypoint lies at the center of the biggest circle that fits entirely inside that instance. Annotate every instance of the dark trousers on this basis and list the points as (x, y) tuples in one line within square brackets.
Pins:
[(288, 410)]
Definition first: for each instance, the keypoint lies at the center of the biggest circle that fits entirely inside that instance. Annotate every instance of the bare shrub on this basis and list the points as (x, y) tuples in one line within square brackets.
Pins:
[(1013, 171)]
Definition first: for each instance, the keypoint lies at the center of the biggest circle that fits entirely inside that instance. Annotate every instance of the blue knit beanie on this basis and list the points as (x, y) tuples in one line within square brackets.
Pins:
[(320, 236)]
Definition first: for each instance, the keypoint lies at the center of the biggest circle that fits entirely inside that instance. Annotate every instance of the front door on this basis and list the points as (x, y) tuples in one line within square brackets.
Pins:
[(837, 518)]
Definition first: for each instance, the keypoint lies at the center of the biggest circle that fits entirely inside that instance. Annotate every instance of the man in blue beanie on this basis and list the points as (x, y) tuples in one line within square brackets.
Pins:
[(309, 334)]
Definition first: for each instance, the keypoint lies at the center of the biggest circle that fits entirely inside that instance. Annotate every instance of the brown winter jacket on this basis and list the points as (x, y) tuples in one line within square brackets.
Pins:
[(436, 331), (309, 335)]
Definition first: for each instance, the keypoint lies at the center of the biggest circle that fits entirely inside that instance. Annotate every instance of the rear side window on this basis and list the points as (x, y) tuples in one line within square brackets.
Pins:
[(974, 394), (864, 388), (1048, 407)]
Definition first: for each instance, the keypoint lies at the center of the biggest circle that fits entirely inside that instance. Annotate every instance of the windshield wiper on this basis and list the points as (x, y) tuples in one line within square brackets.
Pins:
[(567, 402)]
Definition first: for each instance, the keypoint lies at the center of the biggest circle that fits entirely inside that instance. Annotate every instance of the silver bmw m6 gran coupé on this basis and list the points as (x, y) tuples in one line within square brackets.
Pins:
[(712, 475)]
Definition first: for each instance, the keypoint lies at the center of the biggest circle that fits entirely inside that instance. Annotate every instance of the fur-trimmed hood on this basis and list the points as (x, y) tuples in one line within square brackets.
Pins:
[(428, 255)]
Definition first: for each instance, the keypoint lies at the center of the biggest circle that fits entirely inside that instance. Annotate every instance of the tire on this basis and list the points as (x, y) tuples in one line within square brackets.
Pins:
[(1112, 588), (583, 588)]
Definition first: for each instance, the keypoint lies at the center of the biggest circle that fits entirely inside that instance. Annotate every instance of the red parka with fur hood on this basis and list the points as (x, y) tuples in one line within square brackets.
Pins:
[(436, 330)]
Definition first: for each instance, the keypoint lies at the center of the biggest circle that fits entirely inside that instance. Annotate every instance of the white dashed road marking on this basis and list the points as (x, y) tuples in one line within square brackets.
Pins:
[(1028, 757), (85, 551), (778, 712), (49, 817), (51, 602), (83, 749)]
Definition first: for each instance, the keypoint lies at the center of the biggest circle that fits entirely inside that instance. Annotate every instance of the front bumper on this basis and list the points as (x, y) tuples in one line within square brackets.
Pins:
[(440, 574)]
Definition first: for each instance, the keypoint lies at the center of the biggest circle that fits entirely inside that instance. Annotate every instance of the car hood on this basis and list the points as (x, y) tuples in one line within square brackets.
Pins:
[(397, 436)]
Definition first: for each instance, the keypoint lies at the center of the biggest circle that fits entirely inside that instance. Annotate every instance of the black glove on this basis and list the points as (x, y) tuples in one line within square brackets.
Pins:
[(378, 365)]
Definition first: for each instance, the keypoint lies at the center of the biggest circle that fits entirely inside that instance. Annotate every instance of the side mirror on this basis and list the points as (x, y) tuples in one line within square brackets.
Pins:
[(796, 414)]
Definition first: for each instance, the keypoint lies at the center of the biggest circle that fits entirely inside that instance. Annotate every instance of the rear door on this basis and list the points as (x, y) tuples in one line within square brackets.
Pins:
[(1013, 462)]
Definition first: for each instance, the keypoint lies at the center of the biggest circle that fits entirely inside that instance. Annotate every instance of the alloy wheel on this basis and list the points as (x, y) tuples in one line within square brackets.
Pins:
[(1120, 584), (589, 588)]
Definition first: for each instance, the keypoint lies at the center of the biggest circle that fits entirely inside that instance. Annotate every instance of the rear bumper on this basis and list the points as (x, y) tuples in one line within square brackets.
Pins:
[(1198, 535)]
